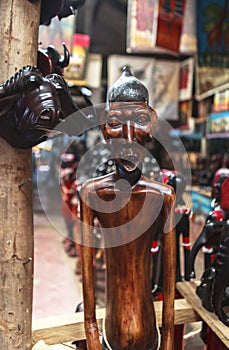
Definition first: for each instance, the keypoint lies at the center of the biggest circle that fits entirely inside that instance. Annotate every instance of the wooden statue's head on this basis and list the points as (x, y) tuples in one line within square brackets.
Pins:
[(128, 120)]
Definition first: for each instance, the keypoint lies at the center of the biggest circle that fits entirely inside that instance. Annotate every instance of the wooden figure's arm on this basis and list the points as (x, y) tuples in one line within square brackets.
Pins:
[(169, 273), (90, 323)]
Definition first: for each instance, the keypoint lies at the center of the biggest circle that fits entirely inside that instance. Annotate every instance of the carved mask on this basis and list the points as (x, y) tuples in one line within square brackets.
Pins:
[(31, 106)]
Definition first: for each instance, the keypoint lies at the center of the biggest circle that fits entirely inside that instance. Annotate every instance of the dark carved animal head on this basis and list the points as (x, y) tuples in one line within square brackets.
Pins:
[(50, 61), (31, 106)]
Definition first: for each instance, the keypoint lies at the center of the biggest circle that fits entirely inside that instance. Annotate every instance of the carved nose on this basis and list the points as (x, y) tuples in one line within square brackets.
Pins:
[(129, 132)]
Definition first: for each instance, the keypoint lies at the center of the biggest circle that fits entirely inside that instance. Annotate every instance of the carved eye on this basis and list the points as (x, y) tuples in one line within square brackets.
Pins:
[(114, 122), (143, 119)]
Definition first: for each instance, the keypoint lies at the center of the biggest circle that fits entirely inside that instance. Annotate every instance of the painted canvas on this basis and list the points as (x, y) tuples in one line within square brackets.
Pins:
[(213, 33), (170, 24), (142, 25)]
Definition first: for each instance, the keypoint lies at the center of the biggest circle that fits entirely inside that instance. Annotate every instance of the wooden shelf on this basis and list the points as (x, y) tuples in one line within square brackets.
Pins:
[(68, 328), (62, 329), (188, 291)]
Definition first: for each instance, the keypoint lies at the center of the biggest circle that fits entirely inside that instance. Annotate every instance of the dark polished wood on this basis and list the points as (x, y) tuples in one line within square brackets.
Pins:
[(128, 230)]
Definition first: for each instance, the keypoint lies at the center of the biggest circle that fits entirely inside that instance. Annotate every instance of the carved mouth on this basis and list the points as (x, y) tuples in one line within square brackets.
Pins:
[(130, 162), (46, 115), (48, 119)]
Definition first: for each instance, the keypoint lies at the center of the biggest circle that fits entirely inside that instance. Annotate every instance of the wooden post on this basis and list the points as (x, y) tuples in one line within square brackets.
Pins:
[(19, 39)]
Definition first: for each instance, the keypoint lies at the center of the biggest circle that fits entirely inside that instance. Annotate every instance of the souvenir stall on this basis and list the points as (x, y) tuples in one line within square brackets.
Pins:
[(136, 93)]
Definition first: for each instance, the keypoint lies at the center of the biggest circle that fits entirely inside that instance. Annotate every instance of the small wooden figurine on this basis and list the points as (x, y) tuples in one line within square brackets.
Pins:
[(132, 206)]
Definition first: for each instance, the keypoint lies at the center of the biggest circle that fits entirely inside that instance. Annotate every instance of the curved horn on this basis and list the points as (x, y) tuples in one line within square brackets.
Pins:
[(64, 62)]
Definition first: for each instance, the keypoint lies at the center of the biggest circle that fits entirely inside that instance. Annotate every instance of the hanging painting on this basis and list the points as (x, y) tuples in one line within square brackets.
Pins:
[(142, 25), (213, 33), (170, 23), (150, 24), (213, 46)]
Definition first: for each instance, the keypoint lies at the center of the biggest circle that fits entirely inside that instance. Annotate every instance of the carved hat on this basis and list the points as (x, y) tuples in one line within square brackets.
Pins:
[(127, 88)]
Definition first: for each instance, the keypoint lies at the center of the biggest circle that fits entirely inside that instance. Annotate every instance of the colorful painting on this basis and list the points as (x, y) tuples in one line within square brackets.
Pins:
[(186, 79), (170, 23), (165, 91), (188, 41), (142, 25), (218, 125), (213, 33), (185, 113), (209, 80)]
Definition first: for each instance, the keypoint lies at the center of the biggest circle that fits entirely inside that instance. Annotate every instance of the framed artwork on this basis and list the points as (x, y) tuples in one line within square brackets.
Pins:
[(142, 19), (188, 41), (212, 69), (212, 33), (150, 21), (165, 92), (186, 79), (218, 125), (185, 113), (210, 80), (221, 101), (170, 24)]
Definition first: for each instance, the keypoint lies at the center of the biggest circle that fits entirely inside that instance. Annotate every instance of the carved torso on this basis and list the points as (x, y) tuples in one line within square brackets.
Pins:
[(130, 317)]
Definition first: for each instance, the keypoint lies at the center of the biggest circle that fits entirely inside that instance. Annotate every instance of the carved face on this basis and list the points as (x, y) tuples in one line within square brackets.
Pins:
[(31, 106), (127, 125), (38, 109)]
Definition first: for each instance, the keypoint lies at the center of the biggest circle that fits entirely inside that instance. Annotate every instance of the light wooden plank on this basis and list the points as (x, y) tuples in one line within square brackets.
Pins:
[(188, 291), (68, 328)]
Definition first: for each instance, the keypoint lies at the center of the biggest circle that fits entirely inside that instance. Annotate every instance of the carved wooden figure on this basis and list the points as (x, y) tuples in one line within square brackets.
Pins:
[(127, 205)]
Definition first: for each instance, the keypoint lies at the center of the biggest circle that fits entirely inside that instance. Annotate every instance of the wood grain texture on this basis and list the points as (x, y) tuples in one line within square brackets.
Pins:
[(56, 330), (19, 38)]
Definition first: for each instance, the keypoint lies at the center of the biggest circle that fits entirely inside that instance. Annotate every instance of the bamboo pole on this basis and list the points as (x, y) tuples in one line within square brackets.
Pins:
[(19, 38)]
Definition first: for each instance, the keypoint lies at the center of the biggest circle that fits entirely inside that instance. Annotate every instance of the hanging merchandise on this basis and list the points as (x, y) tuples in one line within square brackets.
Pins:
[(212, 33), (218, 125), (186, 79), (75, 74), (165, 93), (188, 41), (142, 25), (150, 21), (170, 22), (213, 46)]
